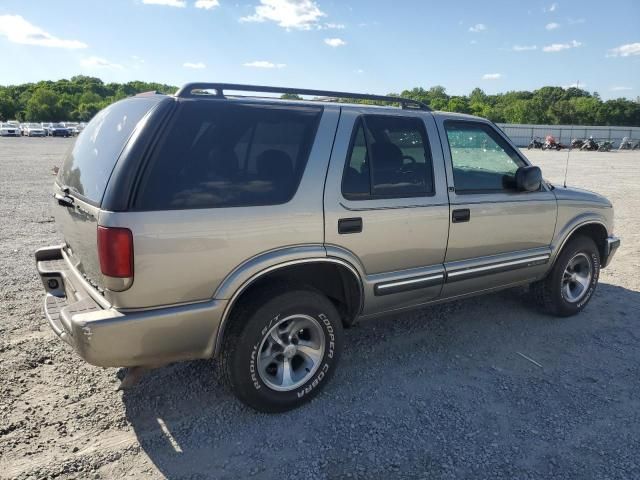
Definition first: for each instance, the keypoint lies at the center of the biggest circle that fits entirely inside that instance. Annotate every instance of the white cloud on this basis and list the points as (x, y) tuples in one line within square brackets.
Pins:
[(207, 4), (166, 3), (473, 42), (98, 62), (19, 30), (558, 47), (625, 50), (478, 27), (333, 26), (576, 21), (335, 42), (552, 26), (524, 48), (581, 86), (552, 8), (492, 76), (359, 71), (296, 14), (264, 64), (621, 89), (195, 65)]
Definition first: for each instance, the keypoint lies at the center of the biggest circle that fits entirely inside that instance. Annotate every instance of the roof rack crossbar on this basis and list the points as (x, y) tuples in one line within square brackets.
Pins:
[(187, 91)]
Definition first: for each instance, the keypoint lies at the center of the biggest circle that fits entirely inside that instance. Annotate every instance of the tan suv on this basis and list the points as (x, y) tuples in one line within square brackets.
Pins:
[(255, 229)]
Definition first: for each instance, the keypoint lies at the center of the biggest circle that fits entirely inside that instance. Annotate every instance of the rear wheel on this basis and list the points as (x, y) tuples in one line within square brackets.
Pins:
[(570, 285), (282, 347)]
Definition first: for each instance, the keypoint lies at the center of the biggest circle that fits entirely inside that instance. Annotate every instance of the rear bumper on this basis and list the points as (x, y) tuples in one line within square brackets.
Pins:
[(107, 337), (612, 244)]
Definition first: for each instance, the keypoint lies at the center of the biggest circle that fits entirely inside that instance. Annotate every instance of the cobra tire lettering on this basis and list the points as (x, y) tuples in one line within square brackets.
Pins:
[(325, 367)]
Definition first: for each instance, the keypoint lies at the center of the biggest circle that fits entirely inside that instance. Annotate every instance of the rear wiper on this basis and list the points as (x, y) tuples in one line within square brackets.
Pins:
[(64, 200)]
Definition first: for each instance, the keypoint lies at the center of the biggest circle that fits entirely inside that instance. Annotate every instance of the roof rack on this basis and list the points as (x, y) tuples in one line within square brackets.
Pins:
[(189, 91)]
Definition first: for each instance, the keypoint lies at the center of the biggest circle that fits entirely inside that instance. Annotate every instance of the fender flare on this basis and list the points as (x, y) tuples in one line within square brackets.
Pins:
[(569, 229), (239, 280)]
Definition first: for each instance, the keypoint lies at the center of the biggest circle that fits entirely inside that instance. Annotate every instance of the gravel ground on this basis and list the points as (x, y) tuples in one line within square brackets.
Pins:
[(439, 393)]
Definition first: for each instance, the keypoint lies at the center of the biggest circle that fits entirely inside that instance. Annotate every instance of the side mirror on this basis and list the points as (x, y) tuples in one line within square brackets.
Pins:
[(528, 179)]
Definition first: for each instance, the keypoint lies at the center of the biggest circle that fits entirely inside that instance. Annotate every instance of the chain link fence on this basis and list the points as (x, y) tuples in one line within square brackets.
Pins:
[(521, 134)]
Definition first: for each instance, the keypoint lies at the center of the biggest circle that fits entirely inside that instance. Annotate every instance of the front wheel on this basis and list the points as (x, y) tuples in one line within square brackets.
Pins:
[(282, 348), (570, 285)]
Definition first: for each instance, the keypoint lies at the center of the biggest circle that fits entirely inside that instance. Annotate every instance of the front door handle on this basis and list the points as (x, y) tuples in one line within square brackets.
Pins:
[(460, 215), (350, 225)]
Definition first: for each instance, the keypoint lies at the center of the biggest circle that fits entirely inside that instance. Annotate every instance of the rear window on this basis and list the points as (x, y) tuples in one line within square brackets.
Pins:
[(225, 155), (88, 165)]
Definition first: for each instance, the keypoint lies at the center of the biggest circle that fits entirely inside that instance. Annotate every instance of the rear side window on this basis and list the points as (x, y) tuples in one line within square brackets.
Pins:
[(389, 158), (219, 154), (88, 165)]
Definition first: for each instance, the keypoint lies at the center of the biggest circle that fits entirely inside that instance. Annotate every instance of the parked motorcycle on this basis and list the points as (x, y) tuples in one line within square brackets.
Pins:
[(629, 144), (551, 144), (625, 144), (589, 144), (536, 142), (577, 143), (605, 146)]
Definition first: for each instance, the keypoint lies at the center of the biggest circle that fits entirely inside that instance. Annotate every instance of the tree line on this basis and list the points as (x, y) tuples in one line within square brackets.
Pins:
[(77, 99), (81, 97)]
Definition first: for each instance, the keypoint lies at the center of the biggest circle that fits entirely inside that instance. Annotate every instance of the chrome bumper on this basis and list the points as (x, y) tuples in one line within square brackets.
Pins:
[(107, 337), (610, 248)]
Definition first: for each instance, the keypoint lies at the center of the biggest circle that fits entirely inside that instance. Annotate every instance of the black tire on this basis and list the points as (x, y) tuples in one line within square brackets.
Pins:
[(248, 331), (549, 292)]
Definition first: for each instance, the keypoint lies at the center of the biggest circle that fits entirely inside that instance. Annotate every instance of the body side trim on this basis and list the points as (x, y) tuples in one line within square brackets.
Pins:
[(463, 274), (387, 288), (440, 300)]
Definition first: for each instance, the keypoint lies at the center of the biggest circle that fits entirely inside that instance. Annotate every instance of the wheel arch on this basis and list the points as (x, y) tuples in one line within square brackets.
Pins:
[(592, 228), (336, 278)]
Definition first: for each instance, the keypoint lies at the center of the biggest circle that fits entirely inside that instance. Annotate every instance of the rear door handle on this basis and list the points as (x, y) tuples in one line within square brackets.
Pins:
[(460, 215), (350, 225)]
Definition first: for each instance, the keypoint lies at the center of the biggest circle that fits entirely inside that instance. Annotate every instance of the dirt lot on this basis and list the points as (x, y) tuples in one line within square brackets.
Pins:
[(439, 393)]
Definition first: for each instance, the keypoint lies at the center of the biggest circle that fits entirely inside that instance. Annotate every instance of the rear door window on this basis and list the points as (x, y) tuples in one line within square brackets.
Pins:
[(219, 154), (88, 165), (389, 158)]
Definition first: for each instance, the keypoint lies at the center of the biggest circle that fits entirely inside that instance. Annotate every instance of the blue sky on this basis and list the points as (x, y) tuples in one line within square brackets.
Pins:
[(355, 45)]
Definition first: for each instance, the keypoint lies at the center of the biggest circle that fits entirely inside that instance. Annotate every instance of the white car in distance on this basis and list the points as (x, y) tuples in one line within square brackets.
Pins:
[(34, 130)]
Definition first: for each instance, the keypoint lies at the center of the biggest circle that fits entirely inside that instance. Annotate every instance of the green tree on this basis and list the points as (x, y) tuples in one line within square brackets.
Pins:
[(8, 107), (42, 106)]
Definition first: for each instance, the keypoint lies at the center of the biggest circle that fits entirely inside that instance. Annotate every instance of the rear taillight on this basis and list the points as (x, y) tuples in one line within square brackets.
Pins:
[(115, 250)]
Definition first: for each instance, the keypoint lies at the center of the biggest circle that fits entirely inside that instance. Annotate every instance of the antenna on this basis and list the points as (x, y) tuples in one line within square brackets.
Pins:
[(566, 166)]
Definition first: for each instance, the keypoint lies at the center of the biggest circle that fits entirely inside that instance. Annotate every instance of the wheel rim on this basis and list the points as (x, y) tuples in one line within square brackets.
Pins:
[(290, 352), (576, 278)]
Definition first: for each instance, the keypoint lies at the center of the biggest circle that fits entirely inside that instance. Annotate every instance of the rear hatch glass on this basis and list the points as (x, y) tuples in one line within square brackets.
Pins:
[(88, 165)]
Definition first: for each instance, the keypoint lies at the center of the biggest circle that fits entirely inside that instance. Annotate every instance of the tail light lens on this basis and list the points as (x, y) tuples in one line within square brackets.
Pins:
[(115, 250)]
